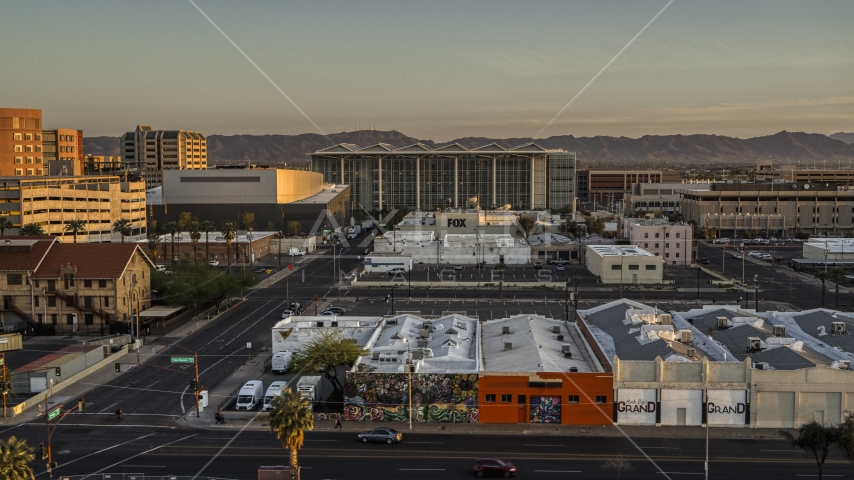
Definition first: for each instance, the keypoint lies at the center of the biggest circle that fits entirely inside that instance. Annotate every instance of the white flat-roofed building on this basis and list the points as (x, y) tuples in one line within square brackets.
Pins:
[(465, 249), (445, 345), (294, 333), (533, 343), (626, 264)]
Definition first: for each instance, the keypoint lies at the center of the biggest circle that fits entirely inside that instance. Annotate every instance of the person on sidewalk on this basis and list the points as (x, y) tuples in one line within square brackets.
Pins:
[(338, 422), (119, 414), (219, 418)]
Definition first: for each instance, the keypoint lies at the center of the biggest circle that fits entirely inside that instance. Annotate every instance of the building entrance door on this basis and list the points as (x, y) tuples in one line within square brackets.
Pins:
[(522, 410), (680, 416), (634, 278)]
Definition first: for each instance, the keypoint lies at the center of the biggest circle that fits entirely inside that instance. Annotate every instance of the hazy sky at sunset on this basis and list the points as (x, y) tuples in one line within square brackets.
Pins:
[(435, 69)]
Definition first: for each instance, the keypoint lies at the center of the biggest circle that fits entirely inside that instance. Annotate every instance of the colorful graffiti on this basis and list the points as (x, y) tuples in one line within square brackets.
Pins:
[(545, 409), (380, 397)]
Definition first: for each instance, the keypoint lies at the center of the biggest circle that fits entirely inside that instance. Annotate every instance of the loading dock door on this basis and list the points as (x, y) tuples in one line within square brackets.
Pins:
[(522, 410)]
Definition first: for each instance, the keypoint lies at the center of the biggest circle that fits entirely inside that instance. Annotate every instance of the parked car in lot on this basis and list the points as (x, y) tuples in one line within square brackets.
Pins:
[(737, 257), (704, 261), (395, 271), (458, 267), (494, 467), (559, 268), (385, 434), (327, 313), (335, 310), (538, 264), (559, 261), (160, 268), (214, 263)]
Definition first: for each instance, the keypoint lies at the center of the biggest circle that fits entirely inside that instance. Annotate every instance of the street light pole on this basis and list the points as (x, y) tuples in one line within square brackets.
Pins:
[(622, 256), (409, 373)]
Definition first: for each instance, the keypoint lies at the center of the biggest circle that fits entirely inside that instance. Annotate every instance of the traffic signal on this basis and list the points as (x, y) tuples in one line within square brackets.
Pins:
[(58, 371), (42, 452), (118, 367), (193, 384)]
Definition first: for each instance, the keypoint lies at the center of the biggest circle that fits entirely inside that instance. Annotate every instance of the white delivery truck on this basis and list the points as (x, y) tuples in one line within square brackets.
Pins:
[(367, 224), (282, 361), (295, 252), (250, 395), (309, 387), (354, 231), (274, 390)]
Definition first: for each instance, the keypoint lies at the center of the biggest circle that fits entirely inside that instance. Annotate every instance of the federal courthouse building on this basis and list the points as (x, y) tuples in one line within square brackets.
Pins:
[(381, 177)]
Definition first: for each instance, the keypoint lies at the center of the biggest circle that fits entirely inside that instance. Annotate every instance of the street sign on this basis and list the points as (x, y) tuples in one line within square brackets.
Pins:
[(248, 344), (183, 360), (290, 267), (268, 271), (54, 413), (4, 340)]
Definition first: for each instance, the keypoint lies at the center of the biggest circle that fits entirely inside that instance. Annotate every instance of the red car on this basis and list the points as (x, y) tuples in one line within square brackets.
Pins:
[(494, 466)]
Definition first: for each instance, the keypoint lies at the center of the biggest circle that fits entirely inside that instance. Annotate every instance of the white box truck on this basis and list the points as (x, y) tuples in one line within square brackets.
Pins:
[(274, 390), (250, 395), (367, 224), (282, 361), (295, 252), (309, 387), (354, 231)]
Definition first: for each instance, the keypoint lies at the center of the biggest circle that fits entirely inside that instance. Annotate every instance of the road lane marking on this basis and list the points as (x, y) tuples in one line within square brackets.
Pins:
[(539, 445), (558, 471), (824, 475), (143, 466), (422, 469), (64, 463), (681, 473), (420, 443), (138, 455), (105, 409)]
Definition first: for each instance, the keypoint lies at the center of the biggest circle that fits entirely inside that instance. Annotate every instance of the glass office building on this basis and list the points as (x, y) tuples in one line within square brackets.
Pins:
[(382, 177)]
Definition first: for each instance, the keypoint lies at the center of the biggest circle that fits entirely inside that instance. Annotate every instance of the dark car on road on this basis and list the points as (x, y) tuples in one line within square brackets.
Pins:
[(538, 264), (386, 435), (704, 261), (494, 467), (335, 310)]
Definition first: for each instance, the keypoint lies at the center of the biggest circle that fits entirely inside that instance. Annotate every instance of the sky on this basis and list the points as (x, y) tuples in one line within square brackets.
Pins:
[(433, 70)]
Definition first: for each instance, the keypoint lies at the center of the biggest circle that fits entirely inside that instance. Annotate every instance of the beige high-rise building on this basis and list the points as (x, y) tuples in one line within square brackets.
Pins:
[(152, 151), (63, 151)]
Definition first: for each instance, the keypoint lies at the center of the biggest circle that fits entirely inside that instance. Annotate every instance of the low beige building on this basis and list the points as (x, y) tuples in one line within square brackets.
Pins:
[(671, 241), (52, 202), (625, 264)]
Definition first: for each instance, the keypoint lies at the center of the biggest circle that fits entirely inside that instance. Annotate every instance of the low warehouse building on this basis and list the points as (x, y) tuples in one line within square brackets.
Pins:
[(617, 264)]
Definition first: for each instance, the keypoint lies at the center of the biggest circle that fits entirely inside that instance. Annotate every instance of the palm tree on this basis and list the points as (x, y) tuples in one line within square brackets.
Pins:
[(154, 244), (249, 225), (290, 417), (4, 224), (15, 456), (836, 274), (228, 232), (172, 228), (823, 276), (195, 236), (75, 227), (31, 230), (122, 227), (207, 226)]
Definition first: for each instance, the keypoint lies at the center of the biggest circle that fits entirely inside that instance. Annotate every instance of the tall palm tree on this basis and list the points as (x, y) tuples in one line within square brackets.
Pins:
[(15, 456), (75, 227), (172, 228), (290, 417), (228, 232), (249, 225), (122, 227), (4, 224), (195, 236), (154, 244), (823, 276), (207, 227), (836, 274), (31, 230)]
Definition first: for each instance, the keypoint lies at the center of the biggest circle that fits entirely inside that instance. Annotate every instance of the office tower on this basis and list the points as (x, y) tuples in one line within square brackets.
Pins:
[(21, 142), (151, 151), (63, 151)]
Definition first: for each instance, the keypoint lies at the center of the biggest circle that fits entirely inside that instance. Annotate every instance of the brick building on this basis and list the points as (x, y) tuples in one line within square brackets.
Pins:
[(21, 142)]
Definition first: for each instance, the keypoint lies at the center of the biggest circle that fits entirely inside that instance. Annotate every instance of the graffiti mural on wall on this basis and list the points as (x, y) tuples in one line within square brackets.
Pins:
[(382, 397), (545, 409)]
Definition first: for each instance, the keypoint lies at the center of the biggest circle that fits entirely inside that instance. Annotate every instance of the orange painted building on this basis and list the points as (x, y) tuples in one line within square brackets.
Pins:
[(575, 398)]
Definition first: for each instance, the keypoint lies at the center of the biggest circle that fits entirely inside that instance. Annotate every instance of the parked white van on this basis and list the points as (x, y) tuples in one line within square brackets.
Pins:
[(282, 361), (250, 395), (274, 390)]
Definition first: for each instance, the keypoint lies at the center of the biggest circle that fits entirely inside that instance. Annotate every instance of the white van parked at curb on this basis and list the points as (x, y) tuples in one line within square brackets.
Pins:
[(273, 391), (250, 395)]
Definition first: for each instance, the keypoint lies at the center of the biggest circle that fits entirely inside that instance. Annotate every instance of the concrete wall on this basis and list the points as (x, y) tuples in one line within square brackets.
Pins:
[(239, 186), (608, 268), (671, 242), (789, 398)]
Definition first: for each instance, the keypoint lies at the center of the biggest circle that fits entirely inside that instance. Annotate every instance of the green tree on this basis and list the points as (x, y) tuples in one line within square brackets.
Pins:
[(154, 245), (595, 225), (823, 276), (31, 230), (290, 417), (172, 228), (573, 228), (4, 224), (185, 219), (15, 456), (801, 235), (195, 236), (527, 224), (815, 439), (75, 227), (324, 352), (207, 227), (228, 231), (199, 285), (294, 227), (122, 227), (836, 274), (271, 227)]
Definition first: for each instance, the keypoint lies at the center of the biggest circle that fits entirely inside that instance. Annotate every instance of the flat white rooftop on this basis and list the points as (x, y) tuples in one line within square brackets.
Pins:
[(620, 250)]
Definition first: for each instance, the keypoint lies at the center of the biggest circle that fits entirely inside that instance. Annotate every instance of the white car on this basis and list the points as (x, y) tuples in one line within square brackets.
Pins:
[(160, 268), (213, 263)]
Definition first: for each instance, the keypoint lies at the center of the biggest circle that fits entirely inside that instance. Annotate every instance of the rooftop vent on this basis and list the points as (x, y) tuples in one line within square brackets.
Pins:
[(779, 331), (761, 366), (838, 328), (425, 333), (556, 329), (560, 338), (505, 330), (573, 369), (422, 344), (508, 345)]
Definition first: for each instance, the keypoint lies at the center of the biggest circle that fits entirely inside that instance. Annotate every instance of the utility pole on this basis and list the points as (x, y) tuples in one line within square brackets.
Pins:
[(5, 386), (409, 373), (566, 299), (196, 391)]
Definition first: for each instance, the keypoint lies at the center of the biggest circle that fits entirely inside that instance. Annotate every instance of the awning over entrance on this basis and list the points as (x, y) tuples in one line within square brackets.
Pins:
[(160, 311)]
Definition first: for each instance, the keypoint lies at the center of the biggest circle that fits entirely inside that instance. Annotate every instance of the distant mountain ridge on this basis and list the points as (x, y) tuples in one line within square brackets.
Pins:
[(843, 137), (604, 150)]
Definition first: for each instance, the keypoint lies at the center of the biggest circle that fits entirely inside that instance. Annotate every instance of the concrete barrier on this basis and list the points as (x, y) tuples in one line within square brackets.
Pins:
[(32, 401)]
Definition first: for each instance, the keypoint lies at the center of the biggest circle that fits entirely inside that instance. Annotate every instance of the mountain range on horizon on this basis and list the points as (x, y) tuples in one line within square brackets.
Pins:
[(600, 150)]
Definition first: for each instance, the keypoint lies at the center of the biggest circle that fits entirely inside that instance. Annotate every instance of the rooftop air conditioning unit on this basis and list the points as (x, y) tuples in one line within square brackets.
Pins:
[(425, 333), (556, 329), (779, 331), (564, 348), (560, 338), (761, 365), (665, 319), (838, 328), (686, 336), (508, 345), (422, 344), (754, 344), (844, 364), (505, 330), (723, 322), (573, 369)]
